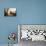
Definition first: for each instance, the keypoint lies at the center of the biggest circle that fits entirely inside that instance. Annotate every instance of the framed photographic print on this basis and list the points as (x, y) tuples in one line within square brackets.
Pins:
[(32, 32), (9, 11)]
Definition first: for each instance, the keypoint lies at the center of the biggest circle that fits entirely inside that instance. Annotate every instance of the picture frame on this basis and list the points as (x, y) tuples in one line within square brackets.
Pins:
[(9, 11)]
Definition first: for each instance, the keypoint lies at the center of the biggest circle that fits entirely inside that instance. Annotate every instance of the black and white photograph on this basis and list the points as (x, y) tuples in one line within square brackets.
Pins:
[(9, 11)]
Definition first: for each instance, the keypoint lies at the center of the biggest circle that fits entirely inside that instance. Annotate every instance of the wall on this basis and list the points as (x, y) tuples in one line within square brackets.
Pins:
[(28, 12)]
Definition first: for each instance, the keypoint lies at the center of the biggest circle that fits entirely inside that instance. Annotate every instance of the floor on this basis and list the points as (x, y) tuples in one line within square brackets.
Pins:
[(30, 43), (7, 45)]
